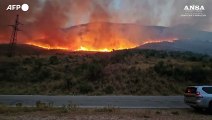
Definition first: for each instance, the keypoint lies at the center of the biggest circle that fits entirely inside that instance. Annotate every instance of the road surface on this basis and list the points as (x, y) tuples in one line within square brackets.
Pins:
[(98, 101)]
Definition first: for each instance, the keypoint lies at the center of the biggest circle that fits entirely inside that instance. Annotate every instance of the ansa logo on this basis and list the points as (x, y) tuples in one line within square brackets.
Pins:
[(194, 7)]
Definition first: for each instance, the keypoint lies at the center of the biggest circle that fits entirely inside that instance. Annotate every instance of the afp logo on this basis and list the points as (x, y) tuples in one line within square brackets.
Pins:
[(24, 7)]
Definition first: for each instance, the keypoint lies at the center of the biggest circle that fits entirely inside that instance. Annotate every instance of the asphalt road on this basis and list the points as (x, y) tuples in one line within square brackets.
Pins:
[(98, 101)]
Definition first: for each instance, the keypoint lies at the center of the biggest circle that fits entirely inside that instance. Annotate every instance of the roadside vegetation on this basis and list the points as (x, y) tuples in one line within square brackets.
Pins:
[(45, 106), (107, 113), (126, 72)]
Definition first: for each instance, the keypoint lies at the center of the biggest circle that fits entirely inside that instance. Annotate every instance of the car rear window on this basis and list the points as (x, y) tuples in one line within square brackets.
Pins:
[(191, 90), (207, 90)]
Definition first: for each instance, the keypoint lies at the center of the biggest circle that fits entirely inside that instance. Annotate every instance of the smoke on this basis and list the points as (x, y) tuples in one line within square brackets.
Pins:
[(8, 17), (46, 19), (201, 23)]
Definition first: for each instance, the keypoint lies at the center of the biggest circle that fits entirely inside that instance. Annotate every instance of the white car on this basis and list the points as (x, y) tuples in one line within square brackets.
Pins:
[(199, 97)]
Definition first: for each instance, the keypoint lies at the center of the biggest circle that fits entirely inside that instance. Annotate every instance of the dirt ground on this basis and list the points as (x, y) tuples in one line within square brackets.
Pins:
[(106, 114)]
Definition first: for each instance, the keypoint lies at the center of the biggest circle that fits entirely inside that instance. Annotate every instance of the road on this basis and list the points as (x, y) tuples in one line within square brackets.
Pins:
[(98, 101)]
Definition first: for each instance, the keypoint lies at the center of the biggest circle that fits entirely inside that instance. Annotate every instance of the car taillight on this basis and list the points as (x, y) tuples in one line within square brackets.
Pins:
[(198, 95)]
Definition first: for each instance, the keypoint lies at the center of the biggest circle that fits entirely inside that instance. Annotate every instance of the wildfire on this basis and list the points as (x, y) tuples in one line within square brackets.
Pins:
[(106, 46), (97, 37), (87, 47), (82, 48), (46, 46), (161, 40)]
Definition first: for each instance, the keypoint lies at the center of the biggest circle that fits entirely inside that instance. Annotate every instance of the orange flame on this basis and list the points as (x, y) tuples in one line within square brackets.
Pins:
[(105, 46), (46, 46), (159, 41), (123, 44), (82, 48), (98, 37)]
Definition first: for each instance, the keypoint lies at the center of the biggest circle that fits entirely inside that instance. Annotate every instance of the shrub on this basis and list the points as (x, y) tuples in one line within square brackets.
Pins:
[(45, 73), (27, 61), (107, 109), (109, 89), (40, 104), (53, 60), (18, 104), (197, 74), (85, 88), (94, 71)]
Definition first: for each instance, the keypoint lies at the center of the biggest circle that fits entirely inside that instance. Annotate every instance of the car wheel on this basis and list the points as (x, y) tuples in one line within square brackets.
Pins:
[(197, 109), (210, 108)]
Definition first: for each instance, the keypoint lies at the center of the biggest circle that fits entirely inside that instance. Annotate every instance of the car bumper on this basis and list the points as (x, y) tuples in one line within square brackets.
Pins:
[(196, 103)]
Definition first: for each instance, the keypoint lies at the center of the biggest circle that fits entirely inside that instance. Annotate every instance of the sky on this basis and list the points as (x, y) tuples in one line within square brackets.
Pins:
[(153, 12), (147, 12)]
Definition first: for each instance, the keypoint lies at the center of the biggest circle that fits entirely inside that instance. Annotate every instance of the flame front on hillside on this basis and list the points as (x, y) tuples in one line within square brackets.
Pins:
[(160, 40), (99, 37), (88, 47), (46, 46)]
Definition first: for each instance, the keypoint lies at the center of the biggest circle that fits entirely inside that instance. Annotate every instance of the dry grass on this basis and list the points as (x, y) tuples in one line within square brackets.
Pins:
[(101, 114)]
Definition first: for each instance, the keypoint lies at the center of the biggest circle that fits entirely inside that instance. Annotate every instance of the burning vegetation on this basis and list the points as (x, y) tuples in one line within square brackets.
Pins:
[(103, 37), (51, 30)]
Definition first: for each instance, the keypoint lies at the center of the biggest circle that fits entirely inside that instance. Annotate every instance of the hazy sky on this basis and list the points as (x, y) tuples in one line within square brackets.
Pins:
[(147, 12)]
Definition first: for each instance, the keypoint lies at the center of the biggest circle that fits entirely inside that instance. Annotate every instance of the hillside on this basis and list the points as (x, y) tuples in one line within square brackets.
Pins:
[(196, 46), (125, 72), (24, 49), (182, 37), (114, 36)]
